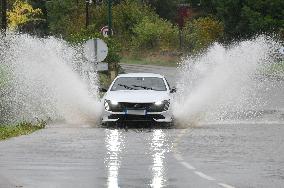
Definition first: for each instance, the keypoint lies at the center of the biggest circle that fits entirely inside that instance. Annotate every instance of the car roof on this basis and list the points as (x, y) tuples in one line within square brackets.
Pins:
[(141, 75)]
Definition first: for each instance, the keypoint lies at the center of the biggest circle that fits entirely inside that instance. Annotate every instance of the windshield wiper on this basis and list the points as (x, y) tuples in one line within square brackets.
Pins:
[(127, 87), (144, 87)]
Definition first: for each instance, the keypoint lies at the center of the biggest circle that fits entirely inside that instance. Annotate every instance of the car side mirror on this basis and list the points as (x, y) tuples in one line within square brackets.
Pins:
[(173, 90), (102, 90)]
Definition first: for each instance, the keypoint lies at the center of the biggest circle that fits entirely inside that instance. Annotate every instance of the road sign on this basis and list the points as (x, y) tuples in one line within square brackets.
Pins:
[(95, 50), (105, 31), (281, 50), (101, 67)]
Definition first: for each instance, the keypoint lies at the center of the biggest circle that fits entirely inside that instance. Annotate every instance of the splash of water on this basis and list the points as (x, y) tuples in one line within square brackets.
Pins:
[(223, 80), (44, 81)]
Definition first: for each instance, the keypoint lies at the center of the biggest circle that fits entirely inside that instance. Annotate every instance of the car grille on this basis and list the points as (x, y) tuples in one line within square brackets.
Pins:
[(149, 107)]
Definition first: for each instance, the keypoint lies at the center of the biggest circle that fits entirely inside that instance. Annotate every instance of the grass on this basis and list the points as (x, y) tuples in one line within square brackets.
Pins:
[(22, 128)]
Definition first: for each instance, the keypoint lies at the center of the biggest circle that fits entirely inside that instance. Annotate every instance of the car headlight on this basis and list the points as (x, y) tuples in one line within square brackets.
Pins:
[(111, 105), (106, 105), (161, 106), (114, 102), (158, 103)]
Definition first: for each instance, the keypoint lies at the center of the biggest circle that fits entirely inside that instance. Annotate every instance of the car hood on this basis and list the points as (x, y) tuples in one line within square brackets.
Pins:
[(139, 96)]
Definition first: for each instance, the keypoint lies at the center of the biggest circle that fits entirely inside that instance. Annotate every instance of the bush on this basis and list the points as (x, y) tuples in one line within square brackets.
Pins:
[(126, 15), (202, 32), (155, 34)]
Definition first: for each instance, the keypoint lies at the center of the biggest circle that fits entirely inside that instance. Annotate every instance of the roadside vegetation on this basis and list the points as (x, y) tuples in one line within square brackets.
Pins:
[(143, 27), (104, 80), (23, 128)]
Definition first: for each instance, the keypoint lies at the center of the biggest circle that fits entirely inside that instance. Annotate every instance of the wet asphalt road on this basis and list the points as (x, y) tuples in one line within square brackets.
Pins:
[(224, 155), (235, 153)]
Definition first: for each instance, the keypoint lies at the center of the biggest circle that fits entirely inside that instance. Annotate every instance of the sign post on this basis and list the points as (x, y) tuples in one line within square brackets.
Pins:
[(109, 17)]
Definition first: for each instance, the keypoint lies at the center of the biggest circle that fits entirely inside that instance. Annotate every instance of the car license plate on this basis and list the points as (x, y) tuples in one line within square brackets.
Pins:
[(136, 112)]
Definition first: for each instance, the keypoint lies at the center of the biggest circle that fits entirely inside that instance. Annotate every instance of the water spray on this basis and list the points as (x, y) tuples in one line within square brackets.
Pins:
[(44, 81)]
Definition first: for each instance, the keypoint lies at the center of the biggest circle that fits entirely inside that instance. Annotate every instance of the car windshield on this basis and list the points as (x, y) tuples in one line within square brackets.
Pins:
[(139, 83)]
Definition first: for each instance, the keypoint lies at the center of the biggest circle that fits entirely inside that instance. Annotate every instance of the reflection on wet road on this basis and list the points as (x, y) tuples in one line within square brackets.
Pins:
[(114, 145), (156, 144), (158, 148)]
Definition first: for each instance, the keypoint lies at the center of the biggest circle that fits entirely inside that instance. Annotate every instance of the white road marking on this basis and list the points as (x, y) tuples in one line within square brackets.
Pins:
[(187, 165), (179, 158), (225, 185), (204, 176)]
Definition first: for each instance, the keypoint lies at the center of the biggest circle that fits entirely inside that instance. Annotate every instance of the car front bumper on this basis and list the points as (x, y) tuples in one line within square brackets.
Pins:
[(163, 117)]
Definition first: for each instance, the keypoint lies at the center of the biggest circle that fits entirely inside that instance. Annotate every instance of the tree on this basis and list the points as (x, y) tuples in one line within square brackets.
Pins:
[(42, 27), (166, 9), (244, 18), (65, 17), (127, 15), (22, 13), (155, 34), (261, 16), (202, 32)]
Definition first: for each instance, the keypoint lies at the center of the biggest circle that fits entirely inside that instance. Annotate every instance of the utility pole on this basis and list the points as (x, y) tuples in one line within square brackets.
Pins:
[(109, 18), (87, 13), (112, 66), (4, 15)]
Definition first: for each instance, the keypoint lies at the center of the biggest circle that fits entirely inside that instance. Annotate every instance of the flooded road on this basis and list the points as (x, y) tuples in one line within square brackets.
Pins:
[(227, 155)]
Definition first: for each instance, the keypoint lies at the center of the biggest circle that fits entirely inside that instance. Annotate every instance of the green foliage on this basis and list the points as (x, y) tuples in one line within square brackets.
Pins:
[(104, 80), (244, 18), (114, 50), (127, 15), (64, 17), (83, 35), (202, 32), (261, 16), (166, 9), (241, 18), (155, 33), (22, 128)]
